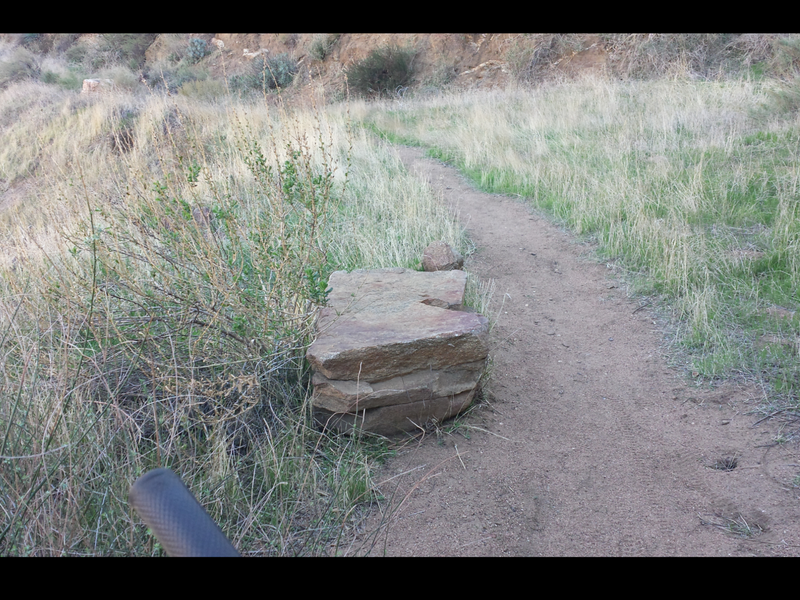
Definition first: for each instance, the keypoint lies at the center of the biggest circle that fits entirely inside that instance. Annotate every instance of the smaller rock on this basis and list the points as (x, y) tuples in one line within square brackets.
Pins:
[(258, 52), (91, 86), (439, 256)]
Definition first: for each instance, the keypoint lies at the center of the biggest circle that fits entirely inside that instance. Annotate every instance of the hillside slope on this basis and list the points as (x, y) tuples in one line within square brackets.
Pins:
[(451, 59)]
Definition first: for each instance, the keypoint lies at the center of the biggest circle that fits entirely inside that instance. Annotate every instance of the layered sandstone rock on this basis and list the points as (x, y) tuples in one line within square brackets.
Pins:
[(395, 350)]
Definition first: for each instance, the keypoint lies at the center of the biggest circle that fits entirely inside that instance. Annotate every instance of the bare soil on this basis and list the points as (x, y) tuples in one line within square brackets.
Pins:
[(589, 444)]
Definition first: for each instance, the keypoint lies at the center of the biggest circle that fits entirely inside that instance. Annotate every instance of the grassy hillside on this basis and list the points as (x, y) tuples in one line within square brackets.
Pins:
[(690, 186), (166, 249), (163, 273)]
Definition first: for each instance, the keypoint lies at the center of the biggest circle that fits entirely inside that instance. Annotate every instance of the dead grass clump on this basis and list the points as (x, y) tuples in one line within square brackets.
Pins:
[(18, 64), (534, 57), (645, 56)]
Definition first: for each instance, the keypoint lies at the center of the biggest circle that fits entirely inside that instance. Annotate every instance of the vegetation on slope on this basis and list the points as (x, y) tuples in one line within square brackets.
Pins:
[(158, 296), (164, 256), (690, 185)]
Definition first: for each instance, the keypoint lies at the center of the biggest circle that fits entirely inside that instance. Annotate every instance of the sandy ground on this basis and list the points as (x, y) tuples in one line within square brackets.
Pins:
[(589, 444)]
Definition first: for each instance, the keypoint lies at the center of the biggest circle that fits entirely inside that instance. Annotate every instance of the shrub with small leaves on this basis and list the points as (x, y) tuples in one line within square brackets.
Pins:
[(32, 40), (63, 41), (198, 49), (382, 72), (71, 80), (76, 53), (49, 77), (242, 83), (275, 72), (167, 76)]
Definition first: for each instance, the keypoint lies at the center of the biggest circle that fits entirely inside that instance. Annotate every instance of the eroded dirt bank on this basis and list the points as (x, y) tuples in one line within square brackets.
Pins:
[(590, 444)]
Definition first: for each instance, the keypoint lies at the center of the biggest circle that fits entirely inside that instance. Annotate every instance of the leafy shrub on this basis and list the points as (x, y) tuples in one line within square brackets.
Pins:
[(382, 72), (242, 82), (70, 81), (265, 73), (50, 77), (54, 73), (63, 41), (30, 38), (122, 76), (76, 53), (35, 42), (198, 49), (225, 288), (275, 72), (171, 77)]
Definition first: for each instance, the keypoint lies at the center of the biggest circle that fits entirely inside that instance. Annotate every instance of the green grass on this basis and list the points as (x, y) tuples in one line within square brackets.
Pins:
[(690, 186)]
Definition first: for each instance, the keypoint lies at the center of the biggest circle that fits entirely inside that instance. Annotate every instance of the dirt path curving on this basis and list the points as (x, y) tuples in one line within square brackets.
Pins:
[(590, 444)]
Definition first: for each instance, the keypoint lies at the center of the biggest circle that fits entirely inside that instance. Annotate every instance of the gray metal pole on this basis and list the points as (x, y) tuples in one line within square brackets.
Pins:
[(176, 518)]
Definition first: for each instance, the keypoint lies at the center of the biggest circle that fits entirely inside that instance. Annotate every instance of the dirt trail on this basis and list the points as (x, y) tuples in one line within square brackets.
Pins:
[(590, 444)]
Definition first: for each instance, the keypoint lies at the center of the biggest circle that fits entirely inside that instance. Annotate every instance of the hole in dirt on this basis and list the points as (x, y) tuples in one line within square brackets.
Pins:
[(727, 463)]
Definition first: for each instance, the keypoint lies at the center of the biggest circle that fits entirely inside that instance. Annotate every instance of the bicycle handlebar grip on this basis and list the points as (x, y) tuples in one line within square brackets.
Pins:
[(176, 518)]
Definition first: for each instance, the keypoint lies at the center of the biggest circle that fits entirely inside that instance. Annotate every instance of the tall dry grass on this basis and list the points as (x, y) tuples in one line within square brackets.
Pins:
[(690, 185), (165, 262)]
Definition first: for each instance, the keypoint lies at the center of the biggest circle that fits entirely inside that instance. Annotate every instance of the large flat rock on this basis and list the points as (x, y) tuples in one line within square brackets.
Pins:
[(395, 350), (388, 322)]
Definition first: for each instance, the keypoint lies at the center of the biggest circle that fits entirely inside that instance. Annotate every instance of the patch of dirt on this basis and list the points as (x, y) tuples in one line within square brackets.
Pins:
[(589, 444), (780, 312)]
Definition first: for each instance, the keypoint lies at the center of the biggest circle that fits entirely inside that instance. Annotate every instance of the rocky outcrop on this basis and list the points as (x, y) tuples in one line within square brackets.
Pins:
[(395, 350)]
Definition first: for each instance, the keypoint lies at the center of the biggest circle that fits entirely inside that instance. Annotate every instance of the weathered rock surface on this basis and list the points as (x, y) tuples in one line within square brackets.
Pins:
[(393, 419), (346, 396), (440, 256), (395, 350)]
